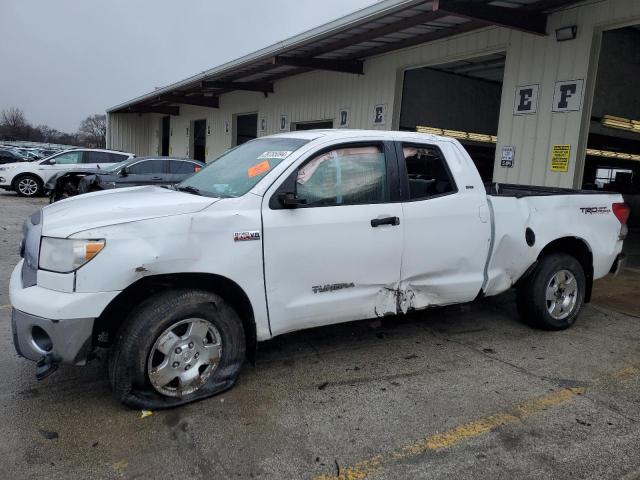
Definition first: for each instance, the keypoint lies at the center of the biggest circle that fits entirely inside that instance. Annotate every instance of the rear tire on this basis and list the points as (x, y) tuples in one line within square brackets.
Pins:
[(28, 186), (177, 347), (552, 297)]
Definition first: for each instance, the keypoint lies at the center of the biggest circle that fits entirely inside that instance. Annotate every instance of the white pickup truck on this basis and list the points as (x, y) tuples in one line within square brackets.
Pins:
[(288, 232)]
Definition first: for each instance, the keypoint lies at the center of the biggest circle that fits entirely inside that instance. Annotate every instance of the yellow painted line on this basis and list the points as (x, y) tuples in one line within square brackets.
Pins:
[(367, 468), (626, 372)]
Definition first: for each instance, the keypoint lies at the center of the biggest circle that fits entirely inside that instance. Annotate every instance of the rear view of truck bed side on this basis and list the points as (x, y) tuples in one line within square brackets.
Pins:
[(530, 222)]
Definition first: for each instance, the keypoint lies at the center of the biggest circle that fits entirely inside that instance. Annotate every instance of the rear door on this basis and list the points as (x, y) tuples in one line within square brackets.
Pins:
[(447, 229), (337, 257)]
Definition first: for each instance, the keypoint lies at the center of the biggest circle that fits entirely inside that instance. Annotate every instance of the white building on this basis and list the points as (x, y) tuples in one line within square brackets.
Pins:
[(529, 86)]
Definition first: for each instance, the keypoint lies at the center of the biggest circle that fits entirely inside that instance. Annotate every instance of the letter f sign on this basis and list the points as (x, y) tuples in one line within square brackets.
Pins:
[(568, 96), (566, 91)]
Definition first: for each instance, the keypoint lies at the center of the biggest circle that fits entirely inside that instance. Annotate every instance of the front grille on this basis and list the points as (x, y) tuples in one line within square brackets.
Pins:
[(32, 230)]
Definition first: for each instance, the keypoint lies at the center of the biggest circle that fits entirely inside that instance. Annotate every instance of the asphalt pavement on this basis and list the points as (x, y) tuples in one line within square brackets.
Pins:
[(460, 392)]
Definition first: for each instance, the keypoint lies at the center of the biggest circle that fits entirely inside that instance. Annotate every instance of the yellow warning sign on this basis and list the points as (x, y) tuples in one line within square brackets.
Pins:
[(560, 158)]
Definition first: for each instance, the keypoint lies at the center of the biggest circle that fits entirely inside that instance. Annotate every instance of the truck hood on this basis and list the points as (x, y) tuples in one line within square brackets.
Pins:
[(112, 207)]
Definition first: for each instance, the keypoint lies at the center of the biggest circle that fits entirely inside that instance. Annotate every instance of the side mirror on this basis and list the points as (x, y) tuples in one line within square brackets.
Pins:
[(124, 172), (289, 200)]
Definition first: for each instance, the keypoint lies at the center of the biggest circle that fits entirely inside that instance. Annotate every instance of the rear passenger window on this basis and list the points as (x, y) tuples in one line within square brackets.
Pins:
[(429, 175), (116, 157), (177, 166), (344, 176), (97, 157)]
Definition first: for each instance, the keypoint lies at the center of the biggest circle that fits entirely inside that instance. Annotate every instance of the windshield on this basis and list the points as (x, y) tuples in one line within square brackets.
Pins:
[(238, 170)]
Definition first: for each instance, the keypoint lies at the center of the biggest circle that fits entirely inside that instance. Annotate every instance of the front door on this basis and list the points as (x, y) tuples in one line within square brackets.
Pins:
[(145, 172), (337, 257), (60, 163)]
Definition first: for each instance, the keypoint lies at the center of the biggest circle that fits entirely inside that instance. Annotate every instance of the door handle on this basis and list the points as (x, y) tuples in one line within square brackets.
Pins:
[(156, 178), (376, 222)]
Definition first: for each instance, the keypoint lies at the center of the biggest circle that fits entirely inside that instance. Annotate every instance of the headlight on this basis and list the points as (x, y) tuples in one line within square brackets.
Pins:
[(64, 255), (4, 169)]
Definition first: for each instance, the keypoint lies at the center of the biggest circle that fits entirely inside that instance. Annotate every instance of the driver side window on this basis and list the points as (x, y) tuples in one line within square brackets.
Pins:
[(68, 158), (350, 175)]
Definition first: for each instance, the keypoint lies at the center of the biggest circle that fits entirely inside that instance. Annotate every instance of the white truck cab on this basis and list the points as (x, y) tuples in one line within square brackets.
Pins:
[(288, 232)]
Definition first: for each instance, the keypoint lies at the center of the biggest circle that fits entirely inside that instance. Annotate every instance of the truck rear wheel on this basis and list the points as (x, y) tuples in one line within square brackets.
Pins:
[(177, 347), (553, 295)]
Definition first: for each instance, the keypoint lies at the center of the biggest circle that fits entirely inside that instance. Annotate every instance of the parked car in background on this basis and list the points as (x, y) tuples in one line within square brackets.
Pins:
[(129, 173), (9, 156), (27, 179)]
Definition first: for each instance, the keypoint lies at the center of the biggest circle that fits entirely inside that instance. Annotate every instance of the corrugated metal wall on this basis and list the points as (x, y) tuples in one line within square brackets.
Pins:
[(543, 61), (134, 133), (320, 95)]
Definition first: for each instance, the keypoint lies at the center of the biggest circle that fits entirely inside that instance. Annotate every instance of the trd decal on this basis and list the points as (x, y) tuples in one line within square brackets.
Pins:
[(246, 236), (331, 287), (595, 210)]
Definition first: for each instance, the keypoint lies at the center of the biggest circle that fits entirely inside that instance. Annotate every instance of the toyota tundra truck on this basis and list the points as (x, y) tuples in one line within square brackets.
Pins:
[(288, 232)]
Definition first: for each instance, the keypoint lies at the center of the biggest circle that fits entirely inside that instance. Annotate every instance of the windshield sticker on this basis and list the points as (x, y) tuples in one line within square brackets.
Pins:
[(278, 154), (258, 169)]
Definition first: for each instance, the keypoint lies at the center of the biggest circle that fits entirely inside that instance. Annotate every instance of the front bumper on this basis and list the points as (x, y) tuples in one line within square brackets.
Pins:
[(42, 316), (66, 341)]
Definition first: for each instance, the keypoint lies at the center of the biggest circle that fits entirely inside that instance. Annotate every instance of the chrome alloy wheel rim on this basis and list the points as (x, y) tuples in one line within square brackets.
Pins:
[(562, 294), (27, 186), (184, 356)]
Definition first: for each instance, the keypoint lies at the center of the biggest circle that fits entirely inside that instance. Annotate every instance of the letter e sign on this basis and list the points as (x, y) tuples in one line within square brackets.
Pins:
[(526, 100), (567, 96)]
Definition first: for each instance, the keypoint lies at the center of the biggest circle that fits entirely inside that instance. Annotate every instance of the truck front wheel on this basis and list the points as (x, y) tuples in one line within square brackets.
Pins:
[(177, 347), (552, 296)]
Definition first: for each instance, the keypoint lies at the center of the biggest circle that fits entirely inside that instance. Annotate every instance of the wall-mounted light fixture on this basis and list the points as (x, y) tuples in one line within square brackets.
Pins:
[(566, 33)]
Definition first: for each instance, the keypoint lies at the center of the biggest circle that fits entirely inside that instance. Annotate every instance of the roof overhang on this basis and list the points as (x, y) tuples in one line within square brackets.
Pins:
[(344, 45)]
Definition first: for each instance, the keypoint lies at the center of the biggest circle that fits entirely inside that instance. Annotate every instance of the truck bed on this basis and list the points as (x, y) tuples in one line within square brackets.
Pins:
[(496, 189)]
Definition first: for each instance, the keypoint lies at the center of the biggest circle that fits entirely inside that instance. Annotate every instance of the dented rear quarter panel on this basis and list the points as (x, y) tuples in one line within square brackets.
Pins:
[(550, 217)]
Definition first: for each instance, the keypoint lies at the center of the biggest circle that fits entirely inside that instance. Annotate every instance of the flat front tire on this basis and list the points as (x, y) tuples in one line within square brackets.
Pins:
[(552, 297), (177, 347)]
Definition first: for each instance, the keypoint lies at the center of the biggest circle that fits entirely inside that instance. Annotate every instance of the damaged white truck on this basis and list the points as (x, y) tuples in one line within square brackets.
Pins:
[(288, 232)]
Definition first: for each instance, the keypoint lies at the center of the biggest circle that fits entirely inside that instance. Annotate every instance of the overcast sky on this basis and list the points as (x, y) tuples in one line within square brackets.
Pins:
[(62, 60)]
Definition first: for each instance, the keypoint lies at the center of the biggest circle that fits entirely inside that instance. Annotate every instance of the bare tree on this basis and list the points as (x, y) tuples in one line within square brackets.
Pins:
[(13, 124), (93, 131)]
